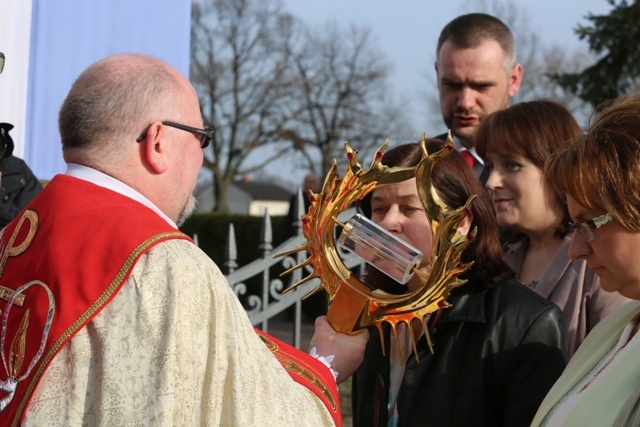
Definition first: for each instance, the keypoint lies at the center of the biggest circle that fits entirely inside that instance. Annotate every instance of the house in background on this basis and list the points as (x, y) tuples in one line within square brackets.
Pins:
[(249, 198)]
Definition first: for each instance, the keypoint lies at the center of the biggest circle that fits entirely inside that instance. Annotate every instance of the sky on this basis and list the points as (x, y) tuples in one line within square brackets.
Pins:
[(406, 31)]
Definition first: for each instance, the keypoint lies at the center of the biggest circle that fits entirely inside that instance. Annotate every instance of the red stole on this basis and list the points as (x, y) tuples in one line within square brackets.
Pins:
[(68, 254), (307, 371)]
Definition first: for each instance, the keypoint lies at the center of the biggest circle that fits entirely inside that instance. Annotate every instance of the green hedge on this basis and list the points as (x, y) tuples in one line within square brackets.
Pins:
[(212, 230)]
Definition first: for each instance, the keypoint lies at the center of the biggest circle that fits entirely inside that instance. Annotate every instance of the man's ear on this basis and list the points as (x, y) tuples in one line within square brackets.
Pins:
[(515, 79), (465, 224), (154, 148)]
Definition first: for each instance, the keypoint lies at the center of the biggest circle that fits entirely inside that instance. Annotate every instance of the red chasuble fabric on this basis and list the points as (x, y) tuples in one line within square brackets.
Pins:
[(67, 255)]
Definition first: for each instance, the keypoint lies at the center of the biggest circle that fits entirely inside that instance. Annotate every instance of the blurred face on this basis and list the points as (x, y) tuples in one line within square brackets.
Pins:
[(312, 182), (612, 254), (473, 83), (397, 209), (522, 198)]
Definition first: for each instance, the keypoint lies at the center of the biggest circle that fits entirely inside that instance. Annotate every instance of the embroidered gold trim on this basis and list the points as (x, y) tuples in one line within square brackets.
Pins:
[(18, 347), (11, 250), (292, 366), (6, 294), (113, 286)]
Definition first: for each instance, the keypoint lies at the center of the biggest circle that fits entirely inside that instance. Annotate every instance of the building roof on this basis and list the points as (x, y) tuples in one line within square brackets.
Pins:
[(264, 190)]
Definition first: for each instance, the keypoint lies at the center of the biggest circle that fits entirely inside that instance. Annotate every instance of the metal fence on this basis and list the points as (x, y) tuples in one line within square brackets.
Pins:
[(269, 300)]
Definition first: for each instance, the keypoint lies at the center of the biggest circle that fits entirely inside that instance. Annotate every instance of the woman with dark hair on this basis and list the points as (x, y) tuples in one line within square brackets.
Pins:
[(497, 349), (515, 144)]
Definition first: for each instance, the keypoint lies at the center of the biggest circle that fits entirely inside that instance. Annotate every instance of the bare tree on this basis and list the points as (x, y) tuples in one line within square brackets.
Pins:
[(552, 60), (538, 60), (272, 89), (239, 67), (341, 81)]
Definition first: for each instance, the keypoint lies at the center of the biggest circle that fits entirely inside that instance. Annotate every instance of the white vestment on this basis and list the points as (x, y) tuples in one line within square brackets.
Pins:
[(173, 348)]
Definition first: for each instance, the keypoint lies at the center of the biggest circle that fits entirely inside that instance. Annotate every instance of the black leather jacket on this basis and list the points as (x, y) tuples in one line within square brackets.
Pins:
[(497, 353)]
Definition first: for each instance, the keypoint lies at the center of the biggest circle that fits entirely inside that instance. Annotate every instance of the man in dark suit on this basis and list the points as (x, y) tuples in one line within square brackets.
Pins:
[(477, 74)]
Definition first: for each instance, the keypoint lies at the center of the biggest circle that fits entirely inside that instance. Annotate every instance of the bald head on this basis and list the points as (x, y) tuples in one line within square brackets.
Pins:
[(112, 100), (114, 120)]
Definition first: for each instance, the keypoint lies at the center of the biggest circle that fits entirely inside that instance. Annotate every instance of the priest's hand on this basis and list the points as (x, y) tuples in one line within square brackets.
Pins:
[(347, 350)]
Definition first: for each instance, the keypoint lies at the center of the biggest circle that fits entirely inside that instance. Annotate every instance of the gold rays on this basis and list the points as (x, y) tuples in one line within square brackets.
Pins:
[(352, 304)]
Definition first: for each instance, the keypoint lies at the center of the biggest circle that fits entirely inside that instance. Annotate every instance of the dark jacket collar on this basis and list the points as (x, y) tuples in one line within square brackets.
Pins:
[(466, 306)]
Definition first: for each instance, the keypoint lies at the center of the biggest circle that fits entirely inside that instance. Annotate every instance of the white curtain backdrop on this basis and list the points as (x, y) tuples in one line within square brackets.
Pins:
[(15, 31), (65, 37)]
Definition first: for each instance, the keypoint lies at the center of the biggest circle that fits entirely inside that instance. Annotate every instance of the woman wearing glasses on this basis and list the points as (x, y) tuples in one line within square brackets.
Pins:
[(515, 144), (599, 176)]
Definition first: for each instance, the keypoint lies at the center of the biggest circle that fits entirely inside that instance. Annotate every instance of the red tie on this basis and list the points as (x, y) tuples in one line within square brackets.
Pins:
[(469, 158)]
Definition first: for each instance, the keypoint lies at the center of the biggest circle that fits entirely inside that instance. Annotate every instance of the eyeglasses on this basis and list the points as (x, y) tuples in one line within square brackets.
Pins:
[(205, 134), (586, 227)]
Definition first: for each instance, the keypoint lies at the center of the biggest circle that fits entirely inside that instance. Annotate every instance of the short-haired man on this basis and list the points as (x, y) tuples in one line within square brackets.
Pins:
[(477, 74)]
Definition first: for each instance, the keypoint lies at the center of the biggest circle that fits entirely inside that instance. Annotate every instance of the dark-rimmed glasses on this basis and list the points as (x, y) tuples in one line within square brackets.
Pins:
[(205, 134), (586, 227)]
